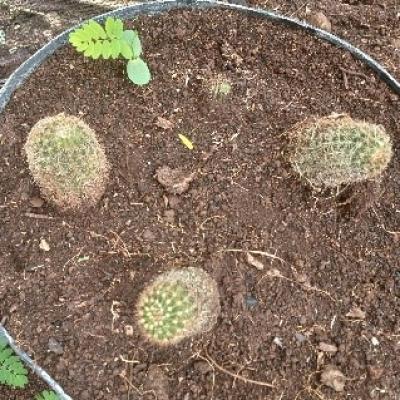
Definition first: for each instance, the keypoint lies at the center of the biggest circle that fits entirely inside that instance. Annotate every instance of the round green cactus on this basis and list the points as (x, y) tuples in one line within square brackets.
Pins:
[(336, 150), (67, 161), (178, 304)]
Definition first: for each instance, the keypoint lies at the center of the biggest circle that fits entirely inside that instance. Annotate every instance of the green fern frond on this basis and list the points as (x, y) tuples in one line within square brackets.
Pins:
[(12, 371), (46, 395)]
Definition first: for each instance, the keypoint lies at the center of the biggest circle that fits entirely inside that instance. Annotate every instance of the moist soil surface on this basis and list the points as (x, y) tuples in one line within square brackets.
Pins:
[(330, 273)]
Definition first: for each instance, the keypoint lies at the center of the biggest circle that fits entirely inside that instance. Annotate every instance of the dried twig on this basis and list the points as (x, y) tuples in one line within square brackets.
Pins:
[(38, 216), (261, 253), (213, 363)]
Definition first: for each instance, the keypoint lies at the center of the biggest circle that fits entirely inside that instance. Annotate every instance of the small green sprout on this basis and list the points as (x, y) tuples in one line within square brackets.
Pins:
[(12, 371), (112, 41), (46, 395), (221, 87)]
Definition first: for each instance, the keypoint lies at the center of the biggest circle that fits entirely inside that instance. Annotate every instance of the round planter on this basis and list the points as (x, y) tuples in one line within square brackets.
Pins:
[(28, 67)]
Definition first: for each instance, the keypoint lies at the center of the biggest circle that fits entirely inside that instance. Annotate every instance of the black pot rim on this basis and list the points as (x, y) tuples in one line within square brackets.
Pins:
[(156, 7)]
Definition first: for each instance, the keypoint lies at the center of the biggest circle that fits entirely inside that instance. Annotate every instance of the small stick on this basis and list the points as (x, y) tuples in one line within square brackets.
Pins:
[(261, 253), (234, 375), (38, 216), (345, 80), (355, 73), (34, 367)]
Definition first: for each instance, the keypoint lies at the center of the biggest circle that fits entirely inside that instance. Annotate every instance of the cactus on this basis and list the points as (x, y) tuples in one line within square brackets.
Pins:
[(219, 86), (336, 150), (67, 161), (178, 304)]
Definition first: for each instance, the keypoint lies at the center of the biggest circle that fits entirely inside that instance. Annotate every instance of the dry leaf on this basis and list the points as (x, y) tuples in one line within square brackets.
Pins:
[(43, 245), (327, 348), (356, 313), (175, 181), (254, 262), (186, 141), (163, 123), (333, 378)]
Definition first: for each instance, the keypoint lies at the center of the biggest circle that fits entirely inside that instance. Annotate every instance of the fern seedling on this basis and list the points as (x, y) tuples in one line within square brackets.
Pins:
[(46, 395), (12, 371), (112, 41)]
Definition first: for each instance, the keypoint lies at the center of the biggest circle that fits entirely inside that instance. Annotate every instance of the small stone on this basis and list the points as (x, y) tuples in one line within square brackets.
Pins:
[(36, 202), (175, 181), (128, 330), (374, 341), (356, 313), (55, 347), (375, 373), (333, 378), (320, 20), (250, 301), (43, 245), (254, 262), (202, 366), (169, 216), (278, 342), (300, 338), (148, 235), (327, 348), (85, 395), (173, 201)]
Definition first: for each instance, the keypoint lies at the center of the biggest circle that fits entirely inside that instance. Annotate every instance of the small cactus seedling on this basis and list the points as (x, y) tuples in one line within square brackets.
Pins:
[(336, 150), (67, 161), (178, 304), (219, 86)]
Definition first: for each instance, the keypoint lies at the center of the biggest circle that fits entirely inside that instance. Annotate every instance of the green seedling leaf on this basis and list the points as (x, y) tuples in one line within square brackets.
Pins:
[(186, 141), (96, 30), (83, 258), (111, 41), (115, 46), (126, 50), (106, 53), (138, 72), (132, 37), (12, 371), (46, 395), (114, 28)]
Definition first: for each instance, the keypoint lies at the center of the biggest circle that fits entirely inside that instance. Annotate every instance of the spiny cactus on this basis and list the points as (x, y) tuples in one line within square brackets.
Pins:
[(67, 161), (336, 150), (178, 304)]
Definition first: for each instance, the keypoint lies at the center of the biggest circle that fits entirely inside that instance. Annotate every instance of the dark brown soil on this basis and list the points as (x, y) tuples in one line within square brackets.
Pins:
[(327, 255)]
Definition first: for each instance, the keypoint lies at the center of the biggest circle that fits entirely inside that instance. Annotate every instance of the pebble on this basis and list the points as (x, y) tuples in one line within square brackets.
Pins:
[(250, 301), (128, 330), (148, 235), (320, 20), (55, 347), (202, 366), (169, 216), (36, 202), (300, 338)]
